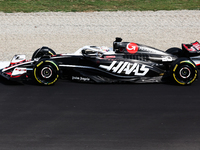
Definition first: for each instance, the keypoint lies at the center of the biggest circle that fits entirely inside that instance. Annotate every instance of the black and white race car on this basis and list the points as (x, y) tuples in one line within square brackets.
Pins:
[(125, 62)]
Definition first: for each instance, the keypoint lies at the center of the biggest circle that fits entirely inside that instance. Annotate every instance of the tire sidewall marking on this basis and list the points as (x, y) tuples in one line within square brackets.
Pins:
[(39, 80), (174, 73)]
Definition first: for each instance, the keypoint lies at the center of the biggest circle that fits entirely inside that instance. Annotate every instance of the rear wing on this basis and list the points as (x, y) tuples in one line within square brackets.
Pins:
[(192, 49)]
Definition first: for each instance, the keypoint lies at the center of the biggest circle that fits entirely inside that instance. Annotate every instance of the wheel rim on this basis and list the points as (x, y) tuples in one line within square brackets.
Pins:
[(46, 72), (185, 72)]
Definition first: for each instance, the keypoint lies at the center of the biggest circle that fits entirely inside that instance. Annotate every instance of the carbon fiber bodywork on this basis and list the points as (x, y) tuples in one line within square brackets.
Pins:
[(125, 62)]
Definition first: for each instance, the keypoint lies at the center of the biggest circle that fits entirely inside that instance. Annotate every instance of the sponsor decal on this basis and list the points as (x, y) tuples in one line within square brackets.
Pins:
[(18, 71), (196, 45), (150, 50), (166, 58), (126, 68), (80, 78), (147, 49), (132, 48)]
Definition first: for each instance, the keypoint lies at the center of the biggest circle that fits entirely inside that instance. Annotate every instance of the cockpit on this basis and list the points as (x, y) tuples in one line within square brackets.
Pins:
[(94, 51)]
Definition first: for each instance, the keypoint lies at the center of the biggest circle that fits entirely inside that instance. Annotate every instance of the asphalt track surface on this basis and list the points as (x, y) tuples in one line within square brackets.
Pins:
[(79, 116)]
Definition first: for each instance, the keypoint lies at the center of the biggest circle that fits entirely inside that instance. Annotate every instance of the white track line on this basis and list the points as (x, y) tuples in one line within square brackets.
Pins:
[(4, 64)]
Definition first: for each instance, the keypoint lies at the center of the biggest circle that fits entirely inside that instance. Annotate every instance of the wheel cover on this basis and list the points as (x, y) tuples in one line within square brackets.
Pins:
[(185, 72), (46, 72)]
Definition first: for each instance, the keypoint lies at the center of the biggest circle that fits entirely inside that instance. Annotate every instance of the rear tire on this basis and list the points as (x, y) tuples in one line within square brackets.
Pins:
[(46, 72), (184, 71), (175, 51)]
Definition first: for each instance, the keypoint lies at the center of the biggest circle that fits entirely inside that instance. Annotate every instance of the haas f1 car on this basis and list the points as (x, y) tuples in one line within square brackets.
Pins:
[(125, 62)]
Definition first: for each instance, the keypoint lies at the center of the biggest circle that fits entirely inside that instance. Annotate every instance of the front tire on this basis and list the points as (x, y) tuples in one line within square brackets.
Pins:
[(184, 71), (43, 51), (46, 72)]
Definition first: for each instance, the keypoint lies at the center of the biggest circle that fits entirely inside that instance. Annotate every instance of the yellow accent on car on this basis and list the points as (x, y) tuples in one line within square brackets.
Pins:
[(194, 77), (177, 80), (39, 63), (187, 62), (54, 80), (50, 53), (36, 76), (53, 64), (175, 67)]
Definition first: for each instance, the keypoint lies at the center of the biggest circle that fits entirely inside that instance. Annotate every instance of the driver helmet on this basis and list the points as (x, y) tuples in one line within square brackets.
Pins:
[(104, 49)]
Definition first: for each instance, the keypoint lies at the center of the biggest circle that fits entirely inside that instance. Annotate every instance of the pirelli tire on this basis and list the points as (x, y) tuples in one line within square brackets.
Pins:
[(46, 72), (184, 71), (175, 51)]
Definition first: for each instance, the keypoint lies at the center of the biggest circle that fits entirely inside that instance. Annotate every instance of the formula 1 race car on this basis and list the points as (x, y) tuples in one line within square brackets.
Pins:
[(125, 62)]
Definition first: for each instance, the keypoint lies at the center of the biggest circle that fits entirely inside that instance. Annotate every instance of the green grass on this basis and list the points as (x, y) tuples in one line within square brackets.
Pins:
[(95, 5)]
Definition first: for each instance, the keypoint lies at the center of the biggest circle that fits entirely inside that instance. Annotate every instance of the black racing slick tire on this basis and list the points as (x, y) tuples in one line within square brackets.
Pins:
[(175, 51), (184, 71), (46, 72), (43, 51)]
